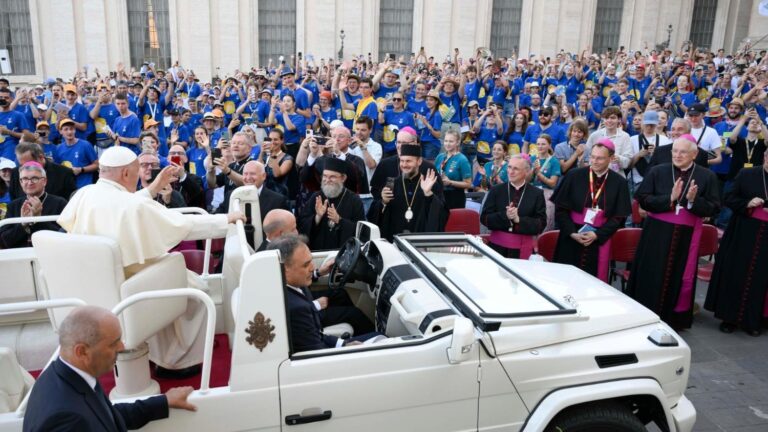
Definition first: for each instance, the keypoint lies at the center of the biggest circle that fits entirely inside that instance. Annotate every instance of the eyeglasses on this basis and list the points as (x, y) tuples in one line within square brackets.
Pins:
[(545, 114), (32, 180), (149, 165), (176, 153), (397, 99), (406, 142)]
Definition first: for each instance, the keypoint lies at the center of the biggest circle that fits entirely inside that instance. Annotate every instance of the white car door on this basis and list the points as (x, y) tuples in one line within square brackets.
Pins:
[(406, 387)]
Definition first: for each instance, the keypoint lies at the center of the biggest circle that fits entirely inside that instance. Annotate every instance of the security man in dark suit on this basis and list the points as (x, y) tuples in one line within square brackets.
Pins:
[(305, 318), (68, 397), (61, 180)]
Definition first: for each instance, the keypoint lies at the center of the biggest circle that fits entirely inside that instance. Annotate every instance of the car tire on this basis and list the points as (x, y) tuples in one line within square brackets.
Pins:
[(600, 417)]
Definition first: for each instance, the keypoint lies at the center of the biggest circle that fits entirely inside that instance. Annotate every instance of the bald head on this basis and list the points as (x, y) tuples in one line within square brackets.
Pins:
[(278, 222), (254, 174)]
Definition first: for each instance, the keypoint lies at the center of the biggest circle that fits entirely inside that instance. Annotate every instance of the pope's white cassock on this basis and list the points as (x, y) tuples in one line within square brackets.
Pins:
[(145, 231)]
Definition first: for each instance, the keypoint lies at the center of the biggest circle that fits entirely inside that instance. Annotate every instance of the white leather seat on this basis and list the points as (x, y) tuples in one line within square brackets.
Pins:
[(90, 268), (15, 382)]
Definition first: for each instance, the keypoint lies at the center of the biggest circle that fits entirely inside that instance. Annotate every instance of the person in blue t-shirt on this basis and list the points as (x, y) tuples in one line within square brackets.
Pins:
[(76, 154), (25, 104), (189, 88), (177, 127), (545, 126), (292, 124), (384, 89), (495, 170), (393, 120), (351, 95), (455, 171), (152, 106), (451, 101), (230, 98), (516, 133), (103, 113), (78, 113), (301, 100), (473, 89), (197, 152), (488, 129), (429, 126), (571, 81), (417, 103), (546, 172), (126, 128), (12, 124), (325, 113)]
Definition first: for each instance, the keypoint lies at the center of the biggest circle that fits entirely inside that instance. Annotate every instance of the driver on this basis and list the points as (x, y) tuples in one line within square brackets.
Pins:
[(306, 319)]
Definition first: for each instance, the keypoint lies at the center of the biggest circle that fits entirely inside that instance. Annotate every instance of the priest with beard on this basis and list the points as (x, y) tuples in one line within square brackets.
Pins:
[(737, 291), (515, 212), (677, 197), (591, 204), (331, 214), (409, 203), (389, 167)]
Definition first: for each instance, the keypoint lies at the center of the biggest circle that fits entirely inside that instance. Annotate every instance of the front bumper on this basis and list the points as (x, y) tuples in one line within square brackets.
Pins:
[(684, 415)]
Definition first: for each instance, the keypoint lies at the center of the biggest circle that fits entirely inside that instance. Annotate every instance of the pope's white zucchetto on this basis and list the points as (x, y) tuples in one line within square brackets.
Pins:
[(117, 157)]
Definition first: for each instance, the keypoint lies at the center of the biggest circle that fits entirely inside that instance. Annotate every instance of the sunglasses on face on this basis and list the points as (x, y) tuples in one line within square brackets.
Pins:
[(397, 99)]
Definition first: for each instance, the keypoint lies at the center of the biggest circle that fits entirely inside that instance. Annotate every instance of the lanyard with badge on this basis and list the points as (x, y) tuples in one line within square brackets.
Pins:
[(589, 217), (750, 151), (152, 109)]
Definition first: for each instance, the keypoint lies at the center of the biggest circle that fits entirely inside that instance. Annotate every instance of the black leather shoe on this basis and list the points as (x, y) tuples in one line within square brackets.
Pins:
[(753, 333), (161, 372), (727, 327)]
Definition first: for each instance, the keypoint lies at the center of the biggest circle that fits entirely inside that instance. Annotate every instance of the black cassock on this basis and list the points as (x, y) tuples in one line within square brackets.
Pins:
[(322, 236), (531, 208), (657, 272), (737, 291), (429, 213), (573, 194)]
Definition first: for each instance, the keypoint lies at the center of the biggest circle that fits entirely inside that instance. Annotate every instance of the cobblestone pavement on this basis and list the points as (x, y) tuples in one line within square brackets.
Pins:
[(728, 382)]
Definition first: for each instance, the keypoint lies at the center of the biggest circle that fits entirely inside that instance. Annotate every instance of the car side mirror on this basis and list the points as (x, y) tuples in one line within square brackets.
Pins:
[(462, 341)]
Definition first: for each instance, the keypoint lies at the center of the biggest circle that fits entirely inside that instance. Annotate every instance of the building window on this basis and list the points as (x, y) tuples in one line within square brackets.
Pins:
[(505, 27), (149, 33), (607, 25), (703, 22), (277, 30), (16, 38), (395, 27)]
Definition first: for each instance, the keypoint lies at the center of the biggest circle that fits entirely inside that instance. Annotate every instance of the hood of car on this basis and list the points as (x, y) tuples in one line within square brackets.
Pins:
[(601, 309)]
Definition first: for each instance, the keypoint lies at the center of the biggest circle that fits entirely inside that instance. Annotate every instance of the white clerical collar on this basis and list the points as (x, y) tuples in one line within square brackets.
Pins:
[(516, 186), (89, 379), (686, 168), (602, 173)]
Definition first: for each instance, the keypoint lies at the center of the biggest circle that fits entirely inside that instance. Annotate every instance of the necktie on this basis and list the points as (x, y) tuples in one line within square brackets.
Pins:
[(102, 398)]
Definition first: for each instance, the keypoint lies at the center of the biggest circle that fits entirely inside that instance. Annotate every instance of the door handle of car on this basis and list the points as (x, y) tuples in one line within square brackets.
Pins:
[(297, 419)]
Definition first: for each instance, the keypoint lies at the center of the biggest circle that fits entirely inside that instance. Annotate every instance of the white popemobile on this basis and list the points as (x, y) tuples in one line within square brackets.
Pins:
[(474, 341)]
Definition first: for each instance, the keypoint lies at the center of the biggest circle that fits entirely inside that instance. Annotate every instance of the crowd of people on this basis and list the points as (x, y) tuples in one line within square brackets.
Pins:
[(570, 142)]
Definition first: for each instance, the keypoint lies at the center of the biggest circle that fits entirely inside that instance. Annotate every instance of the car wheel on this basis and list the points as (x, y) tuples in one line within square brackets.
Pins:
[(600, 417)]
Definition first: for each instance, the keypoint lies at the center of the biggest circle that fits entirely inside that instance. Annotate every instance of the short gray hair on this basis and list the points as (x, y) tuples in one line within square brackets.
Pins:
[(684, 122), (82, 325), (523, 158), (287, 245)]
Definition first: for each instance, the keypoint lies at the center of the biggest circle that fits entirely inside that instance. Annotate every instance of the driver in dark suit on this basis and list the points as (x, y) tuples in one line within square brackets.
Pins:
[(308, 315), (68, 397)]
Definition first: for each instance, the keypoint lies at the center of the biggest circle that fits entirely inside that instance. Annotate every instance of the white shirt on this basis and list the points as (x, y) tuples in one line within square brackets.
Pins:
[(620, 141), (709, 141), (376, 152), (91, 380)]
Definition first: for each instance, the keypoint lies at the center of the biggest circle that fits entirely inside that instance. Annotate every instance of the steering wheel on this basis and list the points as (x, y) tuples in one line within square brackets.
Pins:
[(345, 262)]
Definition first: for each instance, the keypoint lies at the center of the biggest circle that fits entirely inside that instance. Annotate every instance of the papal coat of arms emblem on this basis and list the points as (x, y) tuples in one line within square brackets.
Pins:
[(260, 331)]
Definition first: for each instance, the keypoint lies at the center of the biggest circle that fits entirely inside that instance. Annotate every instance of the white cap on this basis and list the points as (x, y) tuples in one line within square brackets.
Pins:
[(6, 164), (336, 123), (117, 157)]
